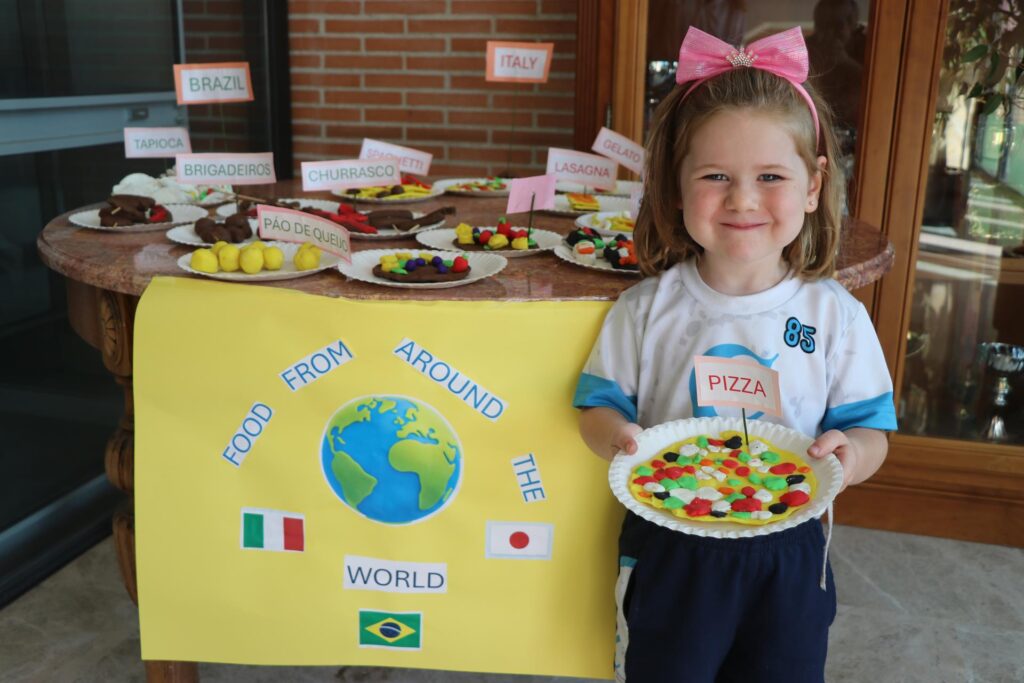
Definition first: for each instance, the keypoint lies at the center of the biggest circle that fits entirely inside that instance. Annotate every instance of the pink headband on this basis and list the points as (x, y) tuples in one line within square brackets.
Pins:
[(702, 56)]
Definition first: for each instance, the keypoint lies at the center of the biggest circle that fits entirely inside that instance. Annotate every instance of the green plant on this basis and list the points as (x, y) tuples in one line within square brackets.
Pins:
[(984, 54)]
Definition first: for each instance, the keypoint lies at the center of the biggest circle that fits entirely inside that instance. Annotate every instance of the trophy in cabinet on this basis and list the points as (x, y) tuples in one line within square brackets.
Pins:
[(1005, 361)]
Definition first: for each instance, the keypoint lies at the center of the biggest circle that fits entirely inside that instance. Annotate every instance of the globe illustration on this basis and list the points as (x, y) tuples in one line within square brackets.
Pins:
[(392, 459)]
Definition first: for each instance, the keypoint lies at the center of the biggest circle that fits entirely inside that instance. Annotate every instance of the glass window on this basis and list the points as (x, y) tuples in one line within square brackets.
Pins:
[(964, 375)]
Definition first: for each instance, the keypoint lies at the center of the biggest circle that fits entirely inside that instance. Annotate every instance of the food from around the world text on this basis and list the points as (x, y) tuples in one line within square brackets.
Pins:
[(721, 479)]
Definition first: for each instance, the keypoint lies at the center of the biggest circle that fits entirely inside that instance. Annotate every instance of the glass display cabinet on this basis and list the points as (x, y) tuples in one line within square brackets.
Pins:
[(929, 96)]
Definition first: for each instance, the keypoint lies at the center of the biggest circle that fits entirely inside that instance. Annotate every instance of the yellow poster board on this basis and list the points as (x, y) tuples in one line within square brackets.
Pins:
[(397, 483)]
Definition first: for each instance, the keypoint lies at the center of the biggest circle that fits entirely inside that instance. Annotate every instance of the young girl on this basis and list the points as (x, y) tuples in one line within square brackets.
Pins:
[(738, 230)]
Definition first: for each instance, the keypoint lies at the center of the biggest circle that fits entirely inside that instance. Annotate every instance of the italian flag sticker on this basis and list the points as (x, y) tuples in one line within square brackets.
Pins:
[(273, 530)]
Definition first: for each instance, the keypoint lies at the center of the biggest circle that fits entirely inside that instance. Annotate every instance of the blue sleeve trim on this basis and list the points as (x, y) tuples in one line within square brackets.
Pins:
[(593, 392), (872, 413)]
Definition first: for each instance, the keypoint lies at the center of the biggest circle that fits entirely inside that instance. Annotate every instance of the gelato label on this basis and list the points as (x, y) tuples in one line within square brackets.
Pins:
[(518, 62), (213, 82), (222, 169), (288, 225), (343, 174), (155, 142), (410, 160), (590, 169), (619, 148)]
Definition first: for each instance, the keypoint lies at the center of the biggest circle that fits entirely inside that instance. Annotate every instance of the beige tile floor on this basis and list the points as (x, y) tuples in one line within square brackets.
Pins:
[(911, 609)]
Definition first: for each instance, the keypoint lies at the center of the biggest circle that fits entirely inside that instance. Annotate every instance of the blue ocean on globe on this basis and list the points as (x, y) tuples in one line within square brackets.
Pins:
[(391, 458)]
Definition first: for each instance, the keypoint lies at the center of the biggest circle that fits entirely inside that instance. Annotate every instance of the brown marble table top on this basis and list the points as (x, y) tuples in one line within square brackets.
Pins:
[(125, 262)]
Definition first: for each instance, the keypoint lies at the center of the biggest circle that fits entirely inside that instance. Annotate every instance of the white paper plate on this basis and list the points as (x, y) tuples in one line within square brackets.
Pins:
[(605, 204), (435, 191), (600, 221), (392, 233), (448, 183), (180, 213), (322, 204), (186, 234), (481, 266), (443, 238), (650, 442), (287, 271), (565, 253), (623, 188)]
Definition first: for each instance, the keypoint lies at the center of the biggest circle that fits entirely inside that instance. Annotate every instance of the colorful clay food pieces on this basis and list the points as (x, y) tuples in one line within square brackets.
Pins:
[(235, 228), (588, 245), (582, 202), (411, 188), (502, 237), (483, 186), (252, 258), (719, 480), (424, 268), (129, 209)]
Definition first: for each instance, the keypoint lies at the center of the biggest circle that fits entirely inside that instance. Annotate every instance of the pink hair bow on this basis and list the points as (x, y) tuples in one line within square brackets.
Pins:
[(702, 56)]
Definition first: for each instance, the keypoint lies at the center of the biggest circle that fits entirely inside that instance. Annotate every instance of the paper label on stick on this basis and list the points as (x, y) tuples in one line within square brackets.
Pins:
[(347, 173), (619, 148), (225, 169), (738, 383), (142, 143), (590, 169), (409, 159), (539, 189), (288, 225)]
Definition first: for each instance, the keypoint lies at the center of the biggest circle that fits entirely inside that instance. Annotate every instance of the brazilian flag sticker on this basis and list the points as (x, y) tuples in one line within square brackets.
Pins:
[(394, 630)]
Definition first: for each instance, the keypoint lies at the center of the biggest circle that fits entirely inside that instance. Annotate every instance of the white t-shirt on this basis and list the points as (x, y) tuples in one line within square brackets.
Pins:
[(832, 374)]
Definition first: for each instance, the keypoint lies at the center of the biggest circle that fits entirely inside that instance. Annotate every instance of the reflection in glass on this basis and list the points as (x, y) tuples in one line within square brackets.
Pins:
[(970, 265)]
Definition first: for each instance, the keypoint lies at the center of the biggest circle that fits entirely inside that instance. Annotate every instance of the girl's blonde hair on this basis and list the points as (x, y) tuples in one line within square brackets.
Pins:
[(660, 236)]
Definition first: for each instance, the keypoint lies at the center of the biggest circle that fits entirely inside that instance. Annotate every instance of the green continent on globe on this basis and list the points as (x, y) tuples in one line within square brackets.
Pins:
[(433, 463), (356, 483)]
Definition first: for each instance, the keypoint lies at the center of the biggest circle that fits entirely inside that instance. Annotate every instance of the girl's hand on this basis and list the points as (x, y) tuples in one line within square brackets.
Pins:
[(623, 439), (835, 441)]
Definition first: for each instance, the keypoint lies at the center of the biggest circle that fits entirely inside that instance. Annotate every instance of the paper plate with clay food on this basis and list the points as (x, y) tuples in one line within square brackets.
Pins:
[(409, 191), (623, 188), (608, 222), (578, 204), (139, 218), (700, 477), (507, 240), (475, 187), (419, 269), (291, 263), (296, 203)]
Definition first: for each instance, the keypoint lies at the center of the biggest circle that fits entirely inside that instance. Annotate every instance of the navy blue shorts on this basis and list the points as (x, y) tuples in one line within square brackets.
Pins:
[(708, 610)]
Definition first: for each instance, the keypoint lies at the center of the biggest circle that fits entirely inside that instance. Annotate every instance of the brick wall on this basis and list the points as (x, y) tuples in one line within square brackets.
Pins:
[(412, 73)]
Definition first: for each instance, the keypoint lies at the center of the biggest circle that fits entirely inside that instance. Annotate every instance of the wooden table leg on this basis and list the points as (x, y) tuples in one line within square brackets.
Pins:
[(117, 318)]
